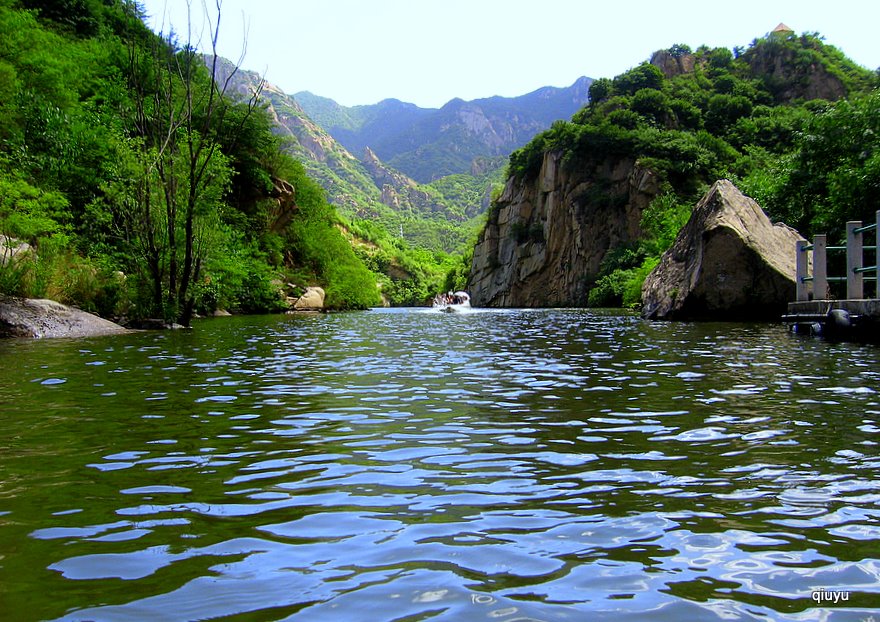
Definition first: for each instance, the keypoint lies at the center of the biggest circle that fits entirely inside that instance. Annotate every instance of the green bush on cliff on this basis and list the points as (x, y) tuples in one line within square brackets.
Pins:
[(622, 287)]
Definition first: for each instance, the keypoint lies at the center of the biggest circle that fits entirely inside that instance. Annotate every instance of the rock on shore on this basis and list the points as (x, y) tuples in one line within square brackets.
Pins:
[(311, 300), (38, 318), (729, 262)]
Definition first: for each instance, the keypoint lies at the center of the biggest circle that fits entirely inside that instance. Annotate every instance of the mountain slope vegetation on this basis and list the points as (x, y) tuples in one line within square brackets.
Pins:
[(144, 187), (437, 217)]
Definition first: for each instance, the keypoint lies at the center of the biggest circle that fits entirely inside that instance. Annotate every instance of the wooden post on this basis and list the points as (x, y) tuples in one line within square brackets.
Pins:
[(801, 291), (820, 268), (854, 282)]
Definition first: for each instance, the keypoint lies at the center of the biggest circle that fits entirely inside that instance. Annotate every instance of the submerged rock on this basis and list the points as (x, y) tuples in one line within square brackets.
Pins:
[(37, 318), (729, 262), (150, 323)]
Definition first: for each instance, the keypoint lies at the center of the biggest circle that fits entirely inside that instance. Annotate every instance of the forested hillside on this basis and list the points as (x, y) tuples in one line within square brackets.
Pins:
[(133, 182), (790, 119), (442, 216)]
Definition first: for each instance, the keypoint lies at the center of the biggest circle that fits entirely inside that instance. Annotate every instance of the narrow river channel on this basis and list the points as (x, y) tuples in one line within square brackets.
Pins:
[(403, 465)]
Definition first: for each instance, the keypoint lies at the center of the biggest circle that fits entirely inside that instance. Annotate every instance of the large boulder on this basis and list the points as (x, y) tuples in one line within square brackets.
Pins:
[(729, 262), (311, 300), (12, 251), (24, 317)]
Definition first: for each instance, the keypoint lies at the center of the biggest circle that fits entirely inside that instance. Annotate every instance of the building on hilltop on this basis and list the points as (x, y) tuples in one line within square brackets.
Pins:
[(782, 30)]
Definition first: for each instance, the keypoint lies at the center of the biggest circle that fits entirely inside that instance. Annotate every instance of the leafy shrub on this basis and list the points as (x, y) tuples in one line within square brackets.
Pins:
[(645, 76), (687, 116), (725, 110), (28, 212), (651, 104), (260, 290), (625, 119), (622, 287), (661, 222), (608, 291)]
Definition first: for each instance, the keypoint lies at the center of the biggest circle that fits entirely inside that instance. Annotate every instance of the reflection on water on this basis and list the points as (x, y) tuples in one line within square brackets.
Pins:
[(404, 465)]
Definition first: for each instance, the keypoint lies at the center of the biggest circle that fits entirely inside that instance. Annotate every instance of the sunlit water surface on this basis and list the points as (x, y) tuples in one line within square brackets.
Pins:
[(406, 465)]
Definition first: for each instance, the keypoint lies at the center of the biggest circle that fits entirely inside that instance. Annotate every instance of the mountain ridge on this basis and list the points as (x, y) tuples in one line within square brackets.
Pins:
[(429, 143), (440, 208), (362, 186)]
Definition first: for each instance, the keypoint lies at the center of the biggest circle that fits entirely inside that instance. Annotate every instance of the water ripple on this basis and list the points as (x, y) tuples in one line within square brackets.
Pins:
[(498, 465)]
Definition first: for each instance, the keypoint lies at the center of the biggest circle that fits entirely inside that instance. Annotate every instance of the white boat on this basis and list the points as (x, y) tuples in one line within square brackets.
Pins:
[(457, 302)]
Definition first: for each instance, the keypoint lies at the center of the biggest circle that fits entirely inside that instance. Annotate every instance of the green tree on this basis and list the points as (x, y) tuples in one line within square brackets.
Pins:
[(834, 175), (680, 49), (645, 76), (600, 90), (724, 111), (652, 104)]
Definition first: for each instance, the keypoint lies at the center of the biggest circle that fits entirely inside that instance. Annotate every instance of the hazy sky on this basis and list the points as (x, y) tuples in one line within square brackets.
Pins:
[(429, 51)]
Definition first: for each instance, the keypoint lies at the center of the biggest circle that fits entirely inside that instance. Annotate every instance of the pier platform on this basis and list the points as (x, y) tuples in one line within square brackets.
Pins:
[(858, 319), (815, 311)]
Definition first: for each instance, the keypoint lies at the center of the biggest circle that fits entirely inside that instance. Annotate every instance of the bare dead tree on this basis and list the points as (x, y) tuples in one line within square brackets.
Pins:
[(178, 116)]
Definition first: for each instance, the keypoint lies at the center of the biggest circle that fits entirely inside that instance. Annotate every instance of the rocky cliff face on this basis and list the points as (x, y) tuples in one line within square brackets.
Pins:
[(673, 65), (546, 238)]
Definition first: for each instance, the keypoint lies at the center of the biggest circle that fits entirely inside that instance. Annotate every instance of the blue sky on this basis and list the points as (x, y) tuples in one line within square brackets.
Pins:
[(429, 51)]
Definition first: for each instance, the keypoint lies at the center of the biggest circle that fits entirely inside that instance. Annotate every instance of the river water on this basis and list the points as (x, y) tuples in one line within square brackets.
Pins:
[(403, 465)]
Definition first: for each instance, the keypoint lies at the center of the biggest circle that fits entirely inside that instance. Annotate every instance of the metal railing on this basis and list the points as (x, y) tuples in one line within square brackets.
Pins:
[(856, 270)]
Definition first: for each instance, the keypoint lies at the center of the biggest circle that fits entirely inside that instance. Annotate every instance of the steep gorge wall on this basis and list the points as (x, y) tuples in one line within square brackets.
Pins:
[(546, 237)]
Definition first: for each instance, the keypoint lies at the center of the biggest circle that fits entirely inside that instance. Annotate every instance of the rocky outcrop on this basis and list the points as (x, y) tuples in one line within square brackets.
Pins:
[(790, 74), (24, 317), (729, 262), (283, 205), (384, 175), (13, 251), (545, 239), (399, 192), (484, 165), (673, 64)]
